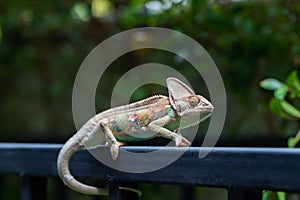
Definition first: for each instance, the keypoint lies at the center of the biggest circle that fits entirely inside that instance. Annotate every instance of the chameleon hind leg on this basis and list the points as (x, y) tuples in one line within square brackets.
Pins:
[(157, 126), (111, 139), (114, 150)]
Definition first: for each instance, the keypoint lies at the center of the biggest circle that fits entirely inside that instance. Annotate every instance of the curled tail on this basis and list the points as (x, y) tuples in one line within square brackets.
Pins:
[(73, 145)]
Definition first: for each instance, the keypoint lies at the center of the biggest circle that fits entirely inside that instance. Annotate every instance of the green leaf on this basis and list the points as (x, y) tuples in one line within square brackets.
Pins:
[(290, 109), (292, 142), (293, 95), (266, 195), (270, 84), (293, 81), (281, 195), (275, 107), (281, 92)]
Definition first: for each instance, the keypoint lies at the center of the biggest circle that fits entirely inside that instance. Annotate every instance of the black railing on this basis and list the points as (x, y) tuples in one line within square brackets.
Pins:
[(244, 172)]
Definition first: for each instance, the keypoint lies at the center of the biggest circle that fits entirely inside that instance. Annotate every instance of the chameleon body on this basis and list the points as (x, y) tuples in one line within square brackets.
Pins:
[(157, 116)]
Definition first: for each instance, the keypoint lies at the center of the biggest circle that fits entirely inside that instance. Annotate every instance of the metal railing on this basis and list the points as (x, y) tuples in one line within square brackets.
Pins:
[(244, 172)]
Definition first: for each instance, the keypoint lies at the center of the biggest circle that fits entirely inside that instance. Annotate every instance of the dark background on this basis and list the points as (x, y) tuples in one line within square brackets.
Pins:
[(43, 43)]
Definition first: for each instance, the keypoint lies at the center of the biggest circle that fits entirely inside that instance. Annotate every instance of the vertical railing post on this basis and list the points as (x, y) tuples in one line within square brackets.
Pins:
[(244, 194), (116, 193), (33, 188), (187, 193)]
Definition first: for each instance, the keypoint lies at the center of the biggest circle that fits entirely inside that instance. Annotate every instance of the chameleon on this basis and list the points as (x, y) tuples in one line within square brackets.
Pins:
[(156, 116)]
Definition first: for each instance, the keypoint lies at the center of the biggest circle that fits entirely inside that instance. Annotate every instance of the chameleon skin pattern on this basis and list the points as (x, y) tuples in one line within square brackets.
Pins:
[(154, 116), (132, 125)]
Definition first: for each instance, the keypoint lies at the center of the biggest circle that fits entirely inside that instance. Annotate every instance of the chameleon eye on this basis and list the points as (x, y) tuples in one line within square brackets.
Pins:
[(194, 101)]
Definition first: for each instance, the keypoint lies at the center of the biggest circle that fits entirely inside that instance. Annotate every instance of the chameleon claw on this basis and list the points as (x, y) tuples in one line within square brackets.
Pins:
[(182, 142), (178, 131), (114, 150)]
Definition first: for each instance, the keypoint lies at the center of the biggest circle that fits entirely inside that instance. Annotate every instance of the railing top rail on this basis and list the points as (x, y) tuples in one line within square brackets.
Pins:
[(253, 168)]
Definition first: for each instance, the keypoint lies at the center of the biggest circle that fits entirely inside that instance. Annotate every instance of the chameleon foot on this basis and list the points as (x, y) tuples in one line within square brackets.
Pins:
[(114, 150), (182, 142)]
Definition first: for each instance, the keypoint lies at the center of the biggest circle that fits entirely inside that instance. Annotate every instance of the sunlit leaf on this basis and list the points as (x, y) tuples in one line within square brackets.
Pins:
[(281, 195), (100, 8), (266, 195), (293, 81), (270, 84), (80, 11), (276, 108), (292, 142), (281, 92), (293, 95), (290, 109)]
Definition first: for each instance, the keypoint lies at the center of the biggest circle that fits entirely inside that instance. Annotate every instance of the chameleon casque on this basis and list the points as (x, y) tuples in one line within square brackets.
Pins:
[(156, 116)]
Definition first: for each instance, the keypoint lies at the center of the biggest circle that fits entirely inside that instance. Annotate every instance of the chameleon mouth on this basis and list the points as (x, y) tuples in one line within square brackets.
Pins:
[(202, 111), (208, 109)]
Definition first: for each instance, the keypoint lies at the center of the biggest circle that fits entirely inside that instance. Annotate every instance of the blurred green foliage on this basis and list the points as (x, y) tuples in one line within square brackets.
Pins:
[(279, 104), (283, 93), (43, 43)]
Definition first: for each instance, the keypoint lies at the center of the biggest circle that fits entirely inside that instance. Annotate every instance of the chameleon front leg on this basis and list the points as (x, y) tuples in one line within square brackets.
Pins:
[(157, 126), (111, 139)]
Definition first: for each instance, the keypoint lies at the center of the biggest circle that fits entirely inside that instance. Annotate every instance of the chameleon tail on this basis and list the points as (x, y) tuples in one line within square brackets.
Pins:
[(73, 145)]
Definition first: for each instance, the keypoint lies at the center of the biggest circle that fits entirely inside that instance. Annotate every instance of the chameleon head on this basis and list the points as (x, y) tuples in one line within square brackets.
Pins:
[(186, 103), (193, 105)]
